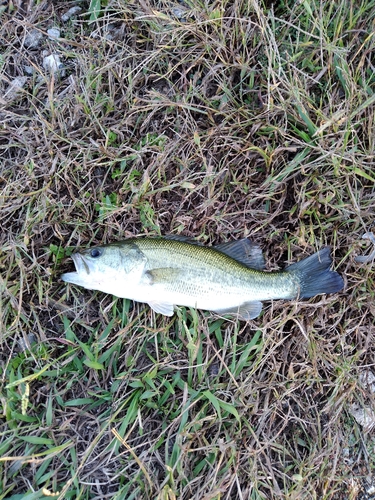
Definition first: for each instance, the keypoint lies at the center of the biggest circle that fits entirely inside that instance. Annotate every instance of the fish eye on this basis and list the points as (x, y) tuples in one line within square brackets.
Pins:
[(96, 252)]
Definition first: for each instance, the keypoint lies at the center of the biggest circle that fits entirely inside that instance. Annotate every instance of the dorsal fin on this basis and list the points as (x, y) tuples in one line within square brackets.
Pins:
[(244, 251), (183, 239)]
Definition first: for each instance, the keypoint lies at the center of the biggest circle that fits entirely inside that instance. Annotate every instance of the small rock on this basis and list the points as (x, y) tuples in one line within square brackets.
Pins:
[(364, 416), (25, 344), (69, 13), (14, 88), (29, 70), (367, 258), (180, 13), (346, 456), (213, 369), (53, 33), (32, 39), (53, 65), (367, 380)]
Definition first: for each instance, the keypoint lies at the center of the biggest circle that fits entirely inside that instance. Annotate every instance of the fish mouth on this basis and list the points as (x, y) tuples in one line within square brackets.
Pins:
[(82, 271)]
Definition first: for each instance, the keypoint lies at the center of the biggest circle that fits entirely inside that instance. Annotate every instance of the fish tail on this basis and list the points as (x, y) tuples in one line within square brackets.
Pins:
[(314, 275)]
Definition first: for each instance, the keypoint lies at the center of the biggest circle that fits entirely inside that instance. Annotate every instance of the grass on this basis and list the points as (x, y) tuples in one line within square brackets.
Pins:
[(217, 121)]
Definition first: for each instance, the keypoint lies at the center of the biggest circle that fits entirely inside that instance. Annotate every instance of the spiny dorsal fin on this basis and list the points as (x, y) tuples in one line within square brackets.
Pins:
[(244, 251), (183, 239)]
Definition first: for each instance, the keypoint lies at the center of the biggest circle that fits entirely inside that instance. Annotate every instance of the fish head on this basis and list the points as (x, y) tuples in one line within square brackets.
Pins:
[(107, 267)]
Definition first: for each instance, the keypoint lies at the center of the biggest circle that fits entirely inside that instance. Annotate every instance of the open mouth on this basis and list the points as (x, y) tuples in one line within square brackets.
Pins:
[(82, 270)]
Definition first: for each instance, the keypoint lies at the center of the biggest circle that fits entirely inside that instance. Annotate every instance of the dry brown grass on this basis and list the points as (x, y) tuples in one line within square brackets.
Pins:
[(235, 119)]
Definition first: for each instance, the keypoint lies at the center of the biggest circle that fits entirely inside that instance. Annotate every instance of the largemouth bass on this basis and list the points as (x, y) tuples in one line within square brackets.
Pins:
[(226, 279)]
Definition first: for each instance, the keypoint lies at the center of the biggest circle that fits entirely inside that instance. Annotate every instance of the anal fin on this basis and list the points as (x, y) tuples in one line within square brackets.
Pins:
[(162, 308), (246, 311)]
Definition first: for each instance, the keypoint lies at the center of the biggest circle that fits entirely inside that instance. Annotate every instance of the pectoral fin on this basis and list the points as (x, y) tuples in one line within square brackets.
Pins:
[(162, 308), (246, 311), (162, 275)]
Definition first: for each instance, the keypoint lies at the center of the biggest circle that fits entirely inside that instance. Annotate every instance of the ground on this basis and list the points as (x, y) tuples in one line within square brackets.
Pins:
[(215, 120)]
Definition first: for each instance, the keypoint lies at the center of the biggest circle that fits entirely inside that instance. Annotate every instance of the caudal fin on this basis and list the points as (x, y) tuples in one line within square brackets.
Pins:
[(314, 275)]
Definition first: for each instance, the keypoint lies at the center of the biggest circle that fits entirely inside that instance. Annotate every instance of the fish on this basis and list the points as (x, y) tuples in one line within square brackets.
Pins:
[(171, 271)]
